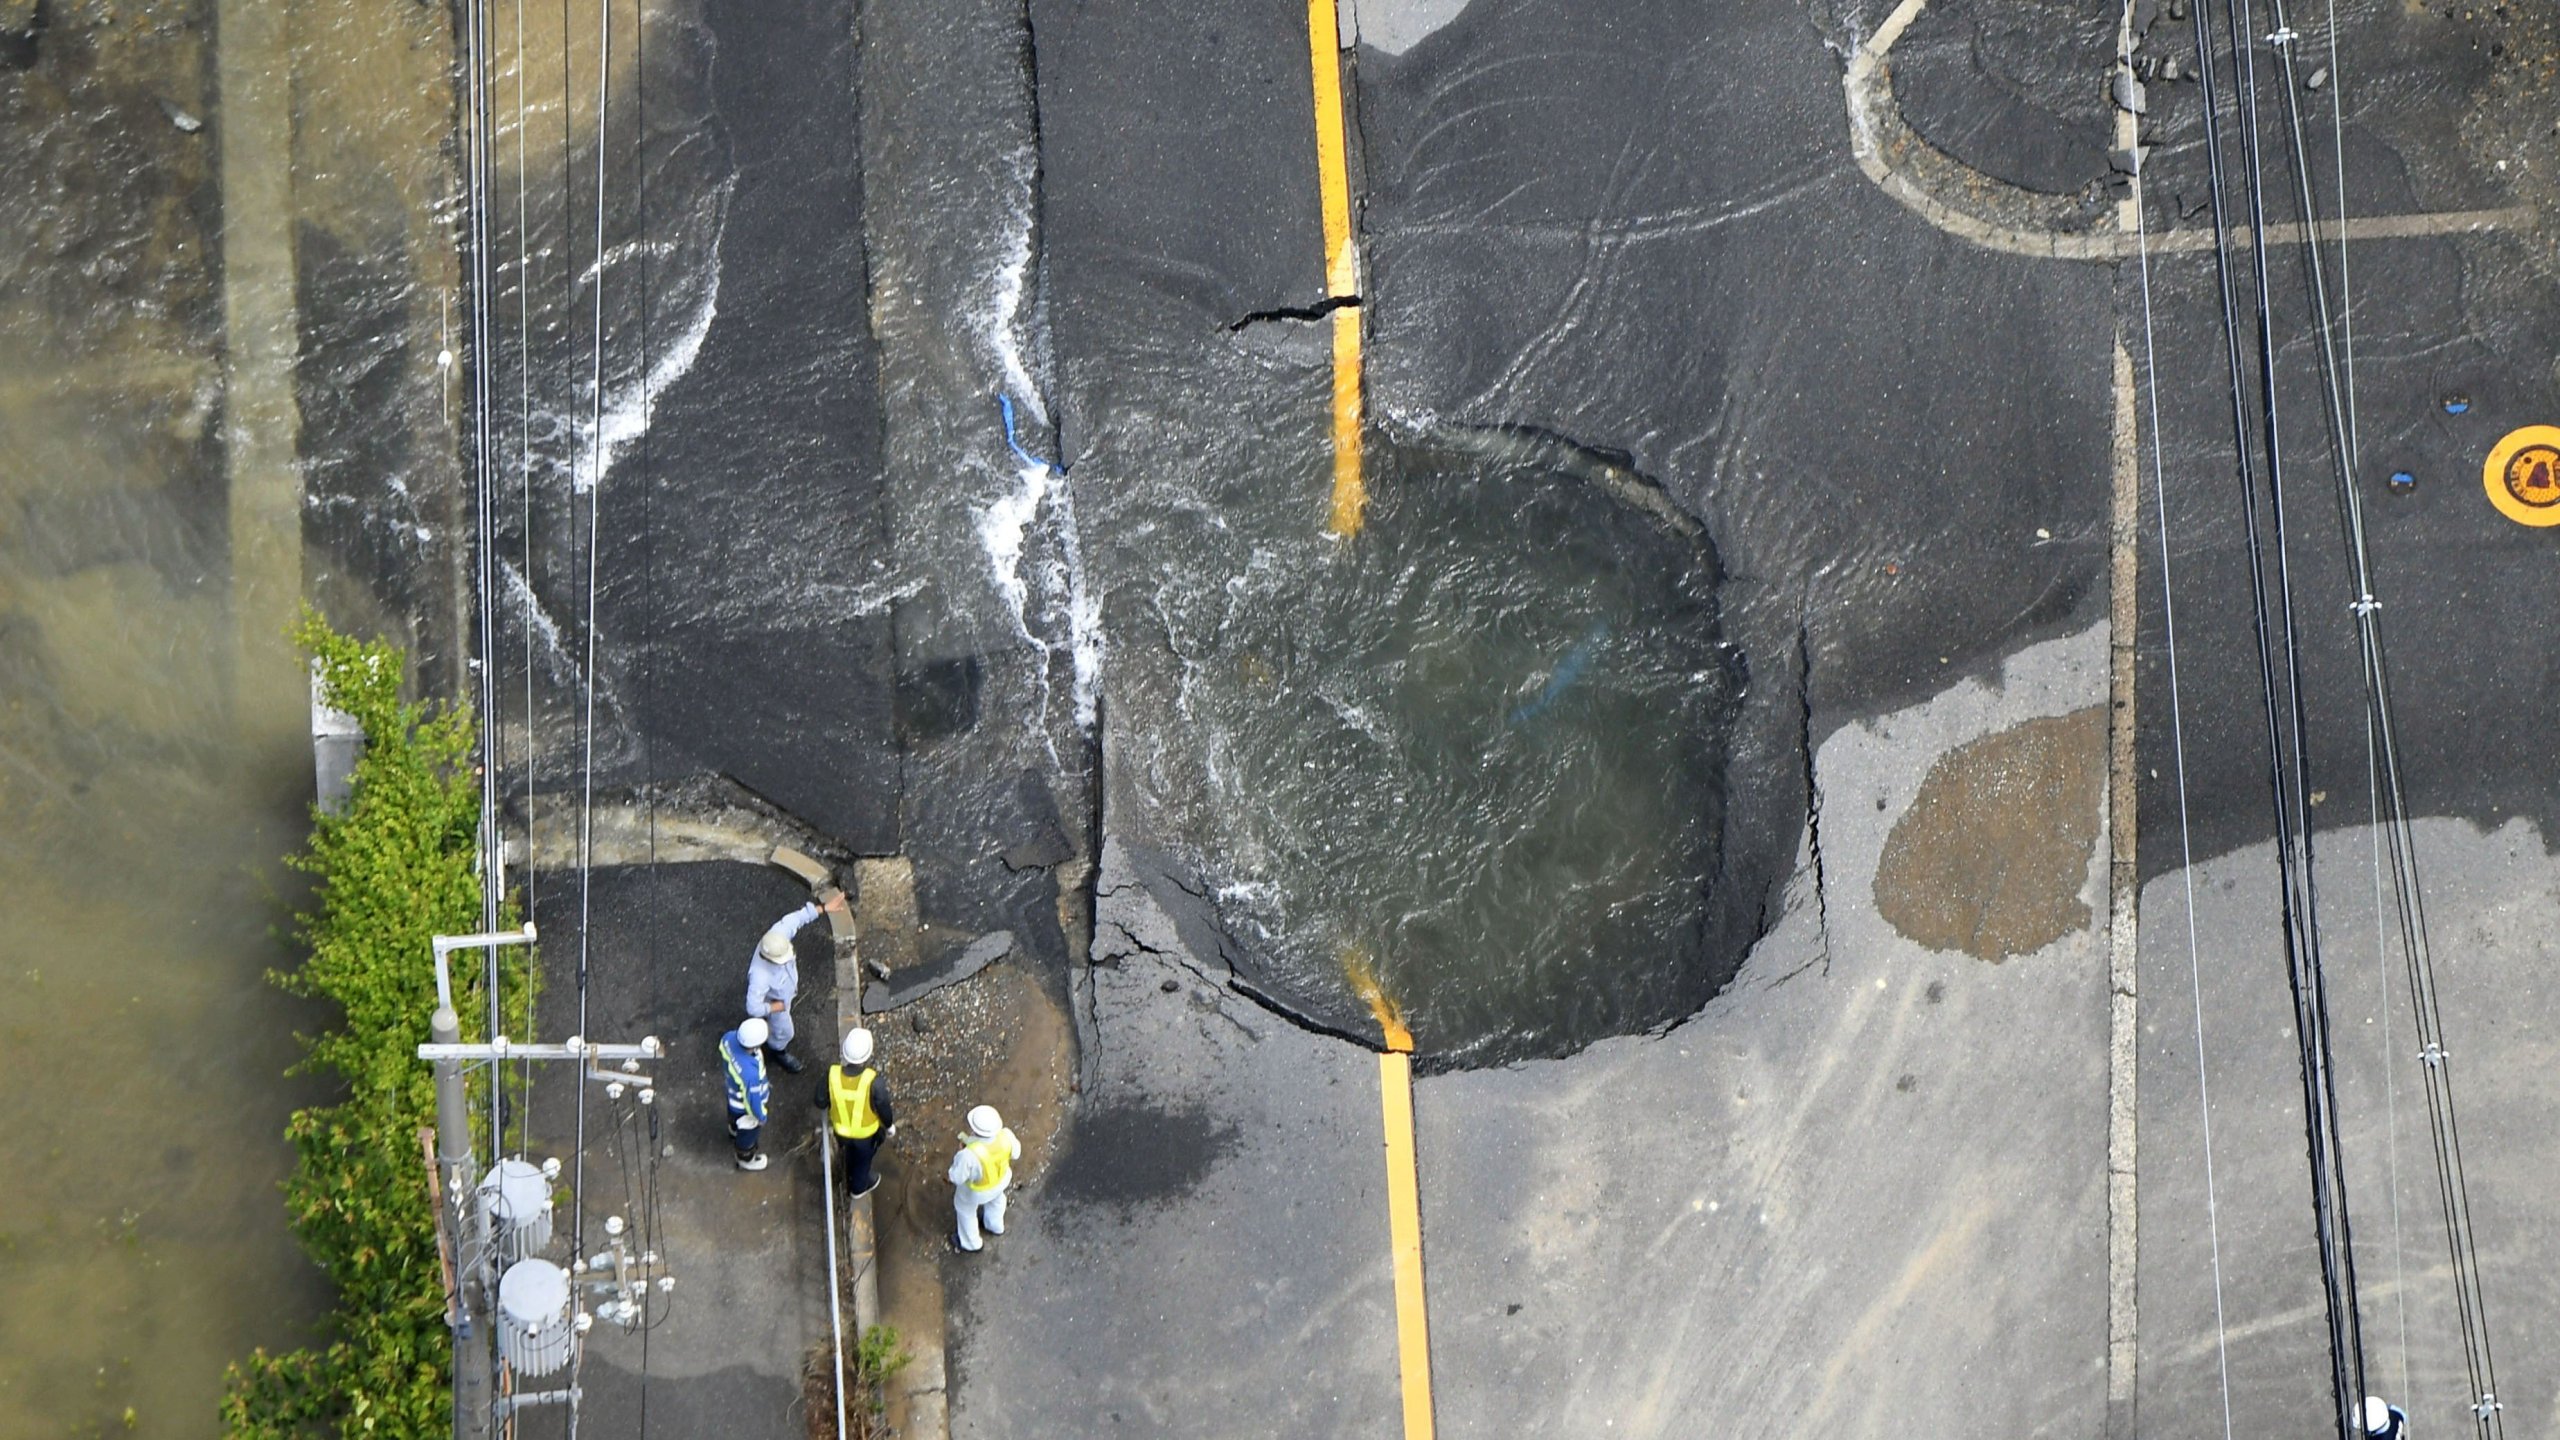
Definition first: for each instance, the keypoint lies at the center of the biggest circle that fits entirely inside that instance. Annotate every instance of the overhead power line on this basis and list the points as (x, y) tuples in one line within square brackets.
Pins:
[(2435, 1060), (2280, 680)]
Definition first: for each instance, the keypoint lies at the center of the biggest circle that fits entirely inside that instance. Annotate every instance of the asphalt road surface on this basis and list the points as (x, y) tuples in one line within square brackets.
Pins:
[(1850, 292)]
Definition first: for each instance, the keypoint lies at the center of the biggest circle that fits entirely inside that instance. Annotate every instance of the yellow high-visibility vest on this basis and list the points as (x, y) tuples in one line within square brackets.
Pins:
[(849, 1110), (995, 1161)]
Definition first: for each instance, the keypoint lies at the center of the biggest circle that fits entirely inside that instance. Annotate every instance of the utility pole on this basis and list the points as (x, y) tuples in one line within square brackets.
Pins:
[(453, 1160), (471, 1373), (476, 1270)]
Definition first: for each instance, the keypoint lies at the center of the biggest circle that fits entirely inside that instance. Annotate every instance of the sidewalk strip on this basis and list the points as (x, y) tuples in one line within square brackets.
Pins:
[(1341, 267)]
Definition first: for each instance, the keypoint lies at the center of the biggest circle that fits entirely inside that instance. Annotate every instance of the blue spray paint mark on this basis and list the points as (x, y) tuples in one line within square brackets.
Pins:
[(1005, 403), (1568, 670)]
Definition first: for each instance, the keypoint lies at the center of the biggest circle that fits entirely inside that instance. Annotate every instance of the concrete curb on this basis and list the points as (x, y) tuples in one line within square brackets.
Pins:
[(859, 1234), (2124, 890), (1997, 215), (885, 900), (861, 1247)]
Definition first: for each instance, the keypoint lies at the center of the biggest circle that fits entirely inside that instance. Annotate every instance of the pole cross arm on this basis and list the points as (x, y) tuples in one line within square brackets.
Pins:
[(446, 944), (502, 1048)]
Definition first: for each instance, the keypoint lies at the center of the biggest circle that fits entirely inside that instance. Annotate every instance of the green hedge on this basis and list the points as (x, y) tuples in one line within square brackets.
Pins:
[(391, 871)]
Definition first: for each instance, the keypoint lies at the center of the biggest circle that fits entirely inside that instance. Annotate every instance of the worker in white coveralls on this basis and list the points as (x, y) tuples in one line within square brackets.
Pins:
[(979, 1175), (773, 978)]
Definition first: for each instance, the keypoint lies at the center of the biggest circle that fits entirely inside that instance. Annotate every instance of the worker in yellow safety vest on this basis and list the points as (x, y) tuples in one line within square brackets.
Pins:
[(979, 1175), (859, 1114)]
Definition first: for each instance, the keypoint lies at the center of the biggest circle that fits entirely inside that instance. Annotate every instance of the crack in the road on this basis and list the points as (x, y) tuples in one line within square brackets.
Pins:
[(1232, 982), (1812, 784), (1299, 314)]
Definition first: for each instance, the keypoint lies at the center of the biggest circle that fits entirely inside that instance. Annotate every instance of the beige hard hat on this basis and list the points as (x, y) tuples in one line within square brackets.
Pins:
[(857, 1046), (985, 1123), (775, 946)]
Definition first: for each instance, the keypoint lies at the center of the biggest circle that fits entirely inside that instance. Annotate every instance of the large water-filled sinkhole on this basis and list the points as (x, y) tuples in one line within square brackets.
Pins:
[(1477, 751)]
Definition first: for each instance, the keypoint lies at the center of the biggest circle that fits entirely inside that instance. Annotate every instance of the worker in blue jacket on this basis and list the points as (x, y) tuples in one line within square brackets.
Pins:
[(748, 1091)]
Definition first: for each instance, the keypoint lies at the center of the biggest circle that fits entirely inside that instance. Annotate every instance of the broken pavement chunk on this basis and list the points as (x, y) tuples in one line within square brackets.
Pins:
[(907, 986)]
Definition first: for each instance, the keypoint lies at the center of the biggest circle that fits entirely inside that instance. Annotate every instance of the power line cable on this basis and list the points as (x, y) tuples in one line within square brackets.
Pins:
[(2321, 1118), (2287, 766), (2346, 291), (2390, 1077), (2186, 841), (646, 1232), (524, 462), (490, 853), (594, 486), (2373, 782), (2443, 1125)]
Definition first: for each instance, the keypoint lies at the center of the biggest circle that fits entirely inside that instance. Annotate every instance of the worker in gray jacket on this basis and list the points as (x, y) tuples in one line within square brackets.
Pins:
[(773, 977)]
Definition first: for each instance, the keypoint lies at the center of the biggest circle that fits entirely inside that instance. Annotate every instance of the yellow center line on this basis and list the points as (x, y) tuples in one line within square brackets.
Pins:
[(1404, 1237), (1350, 487), (1404, 1194), (1341, 267)]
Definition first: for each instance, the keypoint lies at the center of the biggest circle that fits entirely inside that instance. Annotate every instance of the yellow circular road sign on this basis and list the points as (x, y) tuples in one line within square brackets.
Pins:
[(2522, 474)]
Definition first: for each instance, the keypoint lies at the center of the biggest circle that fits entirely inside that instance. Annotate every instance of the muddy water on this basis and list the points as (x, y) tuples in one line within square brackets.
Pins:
[(155, 436), (142, 1239), (1991, 856)]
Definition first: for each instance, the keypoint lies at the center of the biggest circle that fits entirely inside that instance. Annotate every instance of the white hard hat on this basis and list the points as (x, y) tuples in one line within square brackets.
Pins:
[(752, 1032), (775, 946), (985, 1123), (857, 1046), (2377, 1416)]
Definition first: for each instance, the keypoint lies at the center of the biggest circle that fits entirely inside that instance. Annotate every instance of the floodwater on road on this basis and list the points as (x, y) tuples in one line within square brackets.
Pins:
[(155, 762), (142, 1236), (143, 1244)]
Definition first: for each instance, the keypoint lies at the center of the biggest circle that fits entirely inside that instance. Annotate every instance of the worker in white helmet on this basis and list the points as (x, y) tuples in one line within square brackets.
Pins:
[(2384, 1420), (859, 1113), (748, 1091), (773, 976), (979, 1175)]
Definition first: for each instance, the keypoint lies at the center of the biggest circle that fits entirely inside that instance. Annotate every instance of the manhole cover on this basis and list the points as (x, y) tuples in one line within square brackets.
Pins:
[(2522, 474)]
